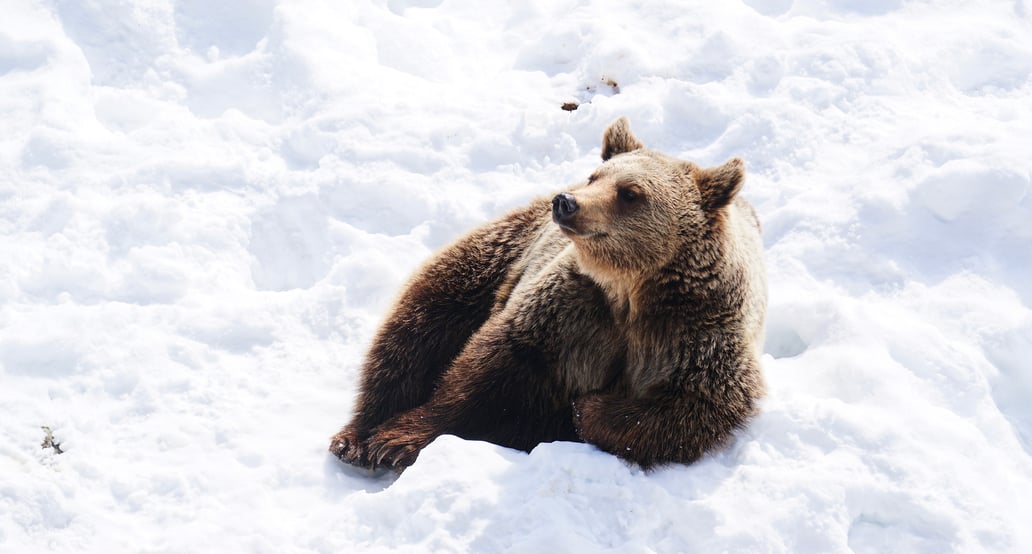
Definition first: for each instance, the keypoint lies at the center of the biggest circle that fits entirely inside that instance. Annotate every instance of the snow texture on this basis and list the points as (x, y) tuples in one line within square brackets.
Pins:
[(206, 208)]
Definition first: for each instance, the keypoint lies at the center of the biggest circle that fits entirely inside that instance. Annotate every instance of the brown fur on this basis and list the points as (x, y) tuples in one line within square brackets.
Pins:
[(618, 139), (635, 326)]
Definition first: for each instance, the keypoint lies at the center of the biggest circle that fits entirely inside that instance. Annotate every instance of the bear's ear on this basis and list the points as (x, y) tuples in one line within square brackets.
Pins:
[(719, 185), (618, 139)]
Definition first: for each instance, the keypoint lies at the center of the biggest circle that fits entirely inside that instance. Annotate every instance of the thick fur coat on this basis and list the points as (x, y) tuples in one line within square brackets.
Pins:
[(626, 312)]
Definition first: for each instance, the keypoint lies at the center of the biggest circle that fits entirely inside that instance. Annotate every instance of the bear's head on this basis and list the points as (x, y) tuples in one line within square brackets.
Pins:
[(640, 208)]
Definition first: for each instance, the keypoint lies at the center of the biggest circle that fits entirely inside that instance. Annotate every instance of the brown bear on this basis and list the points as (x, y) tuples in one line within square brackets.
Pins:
[(627, 313)]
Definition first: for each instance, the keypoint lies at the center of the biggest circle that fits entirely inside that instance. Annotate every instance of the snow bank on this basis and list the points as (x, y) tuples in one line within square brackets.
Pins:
[(205, 208)]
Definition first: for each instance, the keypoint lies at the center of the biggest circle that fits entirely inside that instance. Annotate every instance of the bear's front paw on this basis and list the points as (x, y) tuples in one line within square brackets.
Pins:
[(395, 448), (349, 445)]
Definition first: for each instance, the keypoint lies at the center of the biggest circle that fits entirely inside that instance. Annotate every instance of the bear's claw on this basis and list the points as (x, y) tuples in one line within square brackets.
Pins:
[(393, 450), (349, 447)]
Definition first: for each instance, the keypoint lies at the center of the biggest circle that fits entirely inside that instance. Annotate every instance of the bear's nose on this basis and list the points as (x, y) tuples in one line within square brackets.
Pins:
[(563, 206)]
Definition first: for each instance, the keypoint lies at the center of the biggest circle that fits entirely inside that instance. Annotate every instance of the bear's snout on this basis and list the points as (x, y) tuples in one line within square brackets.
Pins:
[(564, 205)]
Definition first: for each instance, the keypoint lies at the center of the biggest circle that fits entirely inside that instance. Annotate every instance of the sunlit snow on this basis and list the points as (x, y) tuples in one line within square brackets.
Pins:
[(206, 207)]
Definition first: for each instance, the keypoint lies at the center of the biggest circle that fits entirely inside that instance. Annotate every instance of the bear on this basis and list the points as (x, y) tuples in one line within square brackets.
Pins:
[(626, 312)]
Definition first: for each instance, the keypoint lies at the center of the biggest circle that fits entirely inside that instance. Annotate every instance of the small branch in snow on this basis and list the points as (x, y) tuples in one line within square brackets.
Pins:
[(49, 442)]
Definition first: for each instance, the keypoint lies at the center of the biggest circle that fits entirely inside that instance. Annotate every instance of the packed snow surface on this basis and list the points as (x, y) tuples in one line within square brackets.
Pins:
[(206, 208)]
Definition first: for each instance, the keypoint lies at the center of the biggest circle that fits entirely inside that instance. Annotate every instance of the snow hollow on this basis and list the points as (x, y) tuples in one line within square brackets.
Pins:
[(206, 208)]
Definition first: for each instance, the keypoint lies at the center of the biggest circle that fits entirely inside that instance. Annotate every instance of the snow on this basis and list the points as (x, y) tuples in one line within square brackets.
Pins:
[(206, 208)]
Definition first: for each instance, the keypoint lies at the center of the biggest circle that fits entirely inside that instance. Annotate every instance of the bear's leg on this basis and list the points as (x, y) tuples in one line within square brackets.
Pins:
[(672, 427), (441, 307), (497, 390)]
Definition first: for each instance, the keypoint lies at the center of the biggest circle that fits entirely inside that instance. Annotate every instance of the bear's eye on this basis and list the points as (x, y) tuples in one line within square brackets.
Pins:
[(627, 196)]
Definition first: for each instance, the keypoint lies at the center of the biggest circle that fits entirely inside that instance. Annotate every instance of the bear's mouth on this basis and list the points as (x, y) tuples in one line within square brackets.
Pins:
[(572, 231)]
